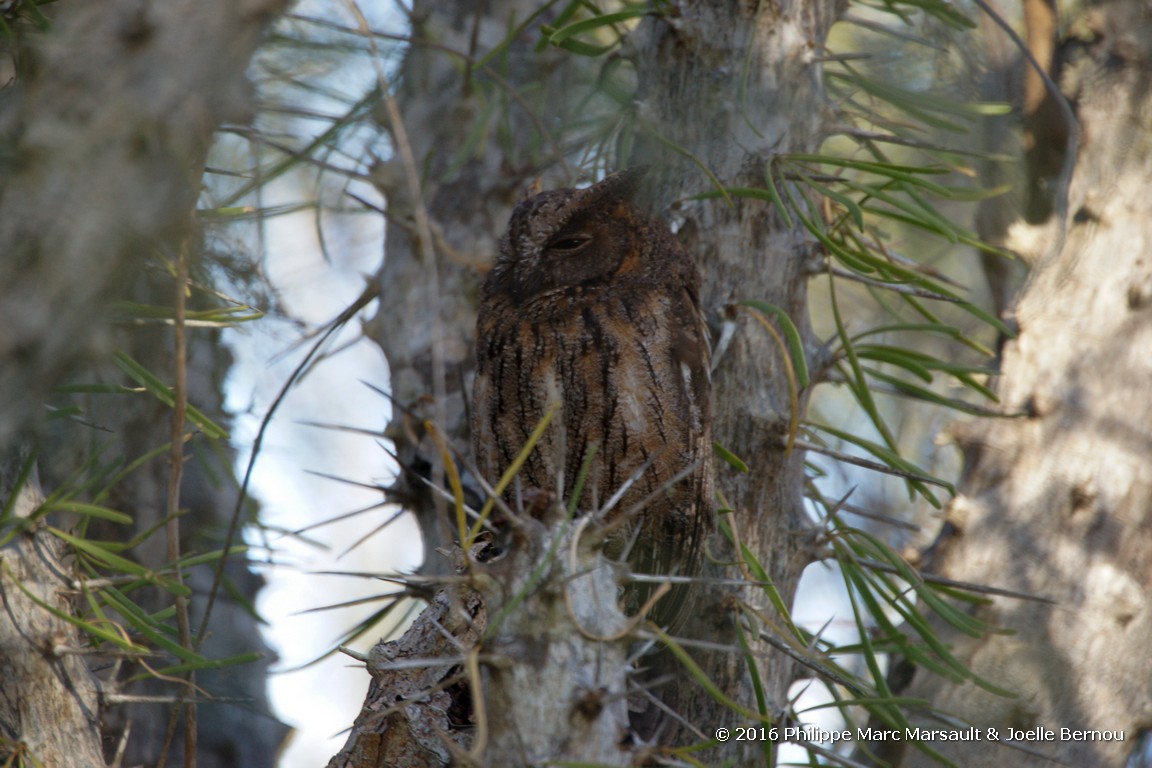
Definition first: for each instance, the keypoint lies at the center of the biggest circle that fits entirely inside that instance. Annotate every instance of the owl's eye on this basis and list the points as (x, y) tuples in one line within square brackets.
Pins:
[(569, 243)]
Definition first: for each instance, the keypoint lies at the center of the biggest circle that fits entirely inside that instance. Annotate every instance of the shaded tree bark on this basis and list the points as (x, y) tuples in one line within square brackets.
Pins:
[(1056, 502), (731, 87), (768, 101), (105, 132), (49, 708)]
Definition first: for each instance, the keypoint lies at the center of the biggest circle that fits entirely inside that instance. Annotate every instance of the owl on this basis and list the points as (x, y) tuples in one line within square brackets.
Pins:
[(593, 305)]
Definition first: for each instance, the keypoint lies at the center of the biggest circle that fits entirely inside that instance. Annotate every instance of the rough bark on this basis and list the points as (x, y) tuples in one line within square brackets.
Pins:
[(49, 709), (426, 328), (414, 706), (1056, 501), (769, 101), (105, 131), (555, 689), (550, 667)]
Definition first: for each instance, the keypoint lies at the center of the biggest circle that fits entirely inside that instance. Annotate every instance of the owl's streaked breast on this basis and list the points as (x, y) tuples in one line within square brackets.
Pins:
[(622, 348)]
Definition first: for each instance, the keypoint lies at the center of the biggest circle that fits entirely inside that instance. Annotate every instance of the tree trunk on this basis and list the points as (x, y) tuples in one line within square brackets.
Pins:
[(1057, 502), (729, 85), (769, 101), (105, 133), (51, 713), (106, 129)]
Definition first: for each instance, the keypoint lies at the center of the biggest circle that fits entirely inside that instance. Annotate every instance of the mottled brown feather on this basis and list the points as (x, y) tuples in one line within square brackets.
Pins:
[(594, 303)]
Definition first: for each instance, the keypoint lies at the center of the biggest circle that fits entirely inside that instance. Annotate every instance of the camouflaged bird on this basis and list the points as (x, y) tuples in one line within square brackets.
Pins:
[(593, 304)]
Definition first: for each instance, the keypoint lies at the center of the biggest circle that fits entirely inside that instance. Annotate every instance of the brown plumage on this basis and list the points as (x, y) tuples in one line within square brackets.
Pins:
[(593, 303)]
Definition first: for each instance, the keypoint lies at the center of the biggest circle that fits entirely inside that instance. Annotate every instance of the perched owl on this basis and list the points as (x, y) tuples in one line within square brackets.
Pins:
[(592, 303)]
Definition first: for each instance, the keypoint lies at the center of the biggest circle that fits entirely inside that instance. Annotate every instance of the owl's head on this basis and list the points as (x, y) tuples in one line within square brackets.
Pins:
[(570, 237)]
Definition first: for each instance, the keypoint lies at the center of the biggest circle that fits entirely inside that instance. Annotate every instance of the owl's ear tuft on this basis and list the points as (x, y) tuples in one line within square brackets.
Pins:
[(618, 186), (531, 189)]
